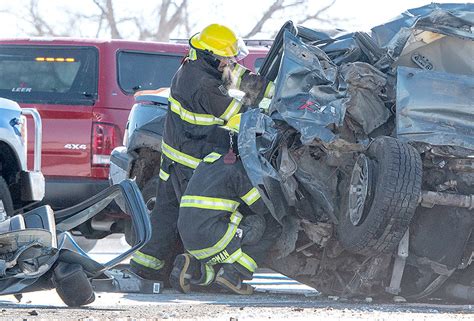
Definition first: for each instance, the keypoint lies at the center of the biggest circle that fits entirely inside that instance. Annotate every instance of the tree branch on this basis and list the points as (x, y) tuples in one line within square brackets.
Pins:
[(318, 13)]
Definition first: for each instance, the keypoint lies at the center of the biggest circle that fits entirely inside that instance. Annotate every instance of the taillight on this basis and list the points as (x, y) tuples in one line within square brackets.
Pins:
[(105, 138)]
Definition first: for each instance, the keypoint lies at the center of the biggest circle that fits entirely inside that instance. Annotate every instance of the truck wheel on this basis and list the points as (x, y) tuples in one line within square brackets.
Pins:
[(383, 195), (6, 203)]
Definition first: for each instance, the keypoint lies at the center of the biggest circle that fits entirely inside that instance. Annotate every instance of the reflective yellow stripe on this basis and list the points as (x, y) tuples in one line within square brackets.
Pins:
[(164, 175), (247, 262), (147, 260), (193, 118), (210, 274), (234, 256), (232, 109), (251, 197), (210, 203), (235, 219), (237, 73), (179, 157), (212, 157), (270, 90), (192, 54)]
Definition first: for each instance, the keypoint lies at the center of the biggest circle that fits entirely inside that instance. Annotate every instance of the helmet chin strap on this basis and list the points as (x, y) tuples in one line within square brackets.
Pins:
[(208, 56)]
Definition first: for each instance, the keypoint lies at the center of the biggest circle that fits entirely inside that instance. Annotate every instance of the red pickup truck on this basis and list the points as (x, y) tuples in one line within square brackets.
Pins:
[(83, 90)]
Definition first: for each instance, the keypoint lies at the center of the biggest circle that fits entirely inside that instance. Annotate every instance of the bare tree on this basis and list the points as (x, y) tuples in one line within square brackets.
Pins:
[(170, 14), (40, 26), (167, 17), (106, 8), (282, 5)]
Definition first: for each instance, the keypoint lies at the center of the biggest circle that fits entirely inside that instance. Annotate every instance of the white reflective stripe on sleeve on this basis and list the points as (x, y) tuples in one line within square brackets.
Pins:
[(237, 74), (193, 118), (235, 219), (211, 203), (232, 109), (164, 175), (179, 157), (251, 197), (212, 157)]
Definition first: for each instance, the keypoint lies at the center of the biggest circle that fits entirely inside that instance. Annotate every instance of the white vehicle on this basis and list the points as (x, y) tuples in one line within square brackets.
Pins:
[(18, 185)]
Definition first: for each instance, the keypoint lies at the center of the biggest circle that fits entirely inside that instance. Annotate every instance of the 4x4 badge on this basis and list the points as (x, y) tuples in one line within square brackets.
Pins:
[(75, 146)]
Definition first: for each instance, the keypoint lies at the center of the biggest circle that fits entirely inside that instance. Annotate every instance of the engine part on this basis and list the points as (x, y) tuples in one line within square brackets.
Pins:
[(399, 265), (430, 199), (460, 291), (102, 225)]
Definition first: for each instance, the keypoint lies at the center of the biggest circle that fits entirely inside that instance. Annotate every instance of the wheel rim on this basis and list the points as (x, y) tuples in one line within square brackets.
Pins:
[(359, 190)]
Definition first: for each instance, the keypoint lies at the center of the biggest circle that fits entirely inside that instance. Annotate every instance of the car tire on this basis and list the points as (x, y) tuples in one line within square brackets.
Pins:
[(149, 196), (6, 203), (376, 216)]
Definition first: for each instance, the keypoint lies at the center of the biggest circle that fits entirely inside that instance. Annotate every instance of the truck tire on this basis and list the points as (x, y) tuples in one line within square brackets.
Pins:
[(6, 203), (383, 195)]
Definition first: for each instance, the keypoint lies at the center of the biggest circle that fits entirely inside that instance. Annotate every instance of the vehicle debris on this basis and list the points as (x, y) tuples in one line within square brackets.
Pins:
[(33, 255), (371, 134)]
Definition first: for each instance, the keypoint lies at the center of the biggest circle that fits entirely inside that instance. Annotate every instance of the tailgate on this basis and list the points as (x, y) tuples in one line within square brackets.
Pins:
[(61, 82)]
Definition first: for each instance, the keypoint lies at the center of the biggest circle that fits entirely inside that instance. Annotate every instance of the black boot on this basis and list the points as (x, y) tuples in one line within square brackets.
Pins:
[(230, 279), (150, 274), (186, 268)]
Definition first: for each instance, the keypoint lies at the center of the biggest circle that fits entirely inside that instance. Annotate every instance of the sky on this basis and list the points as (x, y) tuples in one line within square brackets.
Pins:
[(241, 15)]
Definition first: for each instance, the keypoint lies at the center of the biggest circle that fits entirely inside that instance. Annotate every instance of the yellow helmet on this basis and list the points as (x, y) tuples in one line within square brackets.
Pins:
[(233, 124), (220, 40)]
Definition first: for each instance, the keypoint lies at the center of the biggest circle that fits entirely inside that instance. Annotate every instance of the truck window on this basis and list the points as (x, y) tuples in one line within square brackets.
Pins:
[(141, 71), (50, 75)]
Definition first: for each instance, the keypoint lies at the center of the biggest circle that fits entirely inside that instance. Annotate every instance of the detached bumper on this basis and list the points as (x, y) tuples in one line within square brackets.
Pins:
[(32, 186)]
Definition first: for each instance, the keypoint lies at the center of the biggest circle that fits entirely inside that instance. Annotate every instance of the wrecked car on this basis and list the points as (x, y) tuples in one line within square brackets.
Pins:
[(38, 252), (366, 156)]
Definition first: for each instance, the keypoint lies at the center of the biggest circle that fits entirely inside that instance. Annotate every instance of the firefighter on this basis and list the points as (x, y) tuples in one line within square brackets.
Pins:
[(224, 226), (198, 104)]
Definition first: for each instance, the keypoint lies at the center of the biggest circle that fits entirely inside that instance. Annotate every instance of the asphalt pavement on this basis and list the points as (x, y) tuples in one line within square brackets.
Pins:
[(276, 298)]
